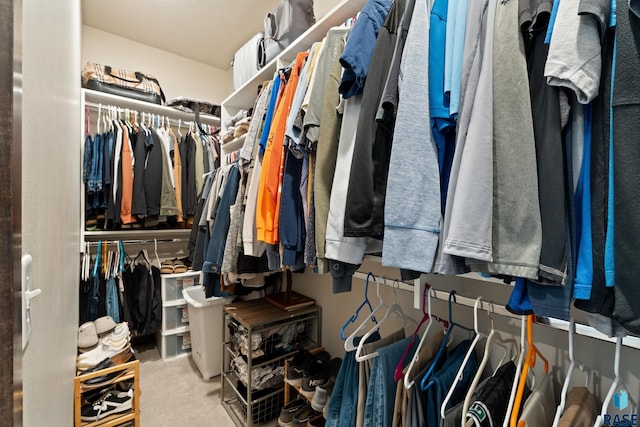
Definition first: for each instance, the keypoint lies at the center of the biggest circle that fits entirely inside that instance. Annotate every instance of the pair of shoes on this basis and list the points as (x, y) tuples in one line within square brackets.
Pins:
[(113, 402), (173, 266), (296, 413), (110, 345), (316, 374), (89, 332), (289, 410), (322, 393), (307, 371), (106, 379)]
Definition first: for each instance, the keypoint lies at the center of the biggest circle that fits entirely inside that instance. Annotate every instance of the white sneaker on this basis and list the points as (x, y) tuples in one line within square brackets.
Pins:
[(92, 358)]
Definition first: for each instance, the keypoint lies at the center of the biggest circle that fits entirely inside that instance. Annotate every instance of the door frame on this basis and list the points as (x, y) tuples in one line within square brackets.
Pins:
[(10, 210)]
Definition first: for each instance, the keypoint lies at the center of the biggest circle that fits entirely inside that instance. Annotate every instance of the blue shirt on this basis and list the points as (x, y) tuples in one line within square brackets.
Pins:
[(460, 28), (356, 57), (275, 88)]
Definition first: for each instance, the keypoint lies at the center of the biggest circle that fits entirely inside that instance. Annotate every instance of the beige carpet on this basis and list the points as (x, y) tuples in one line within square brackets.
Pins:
[(173, 393)]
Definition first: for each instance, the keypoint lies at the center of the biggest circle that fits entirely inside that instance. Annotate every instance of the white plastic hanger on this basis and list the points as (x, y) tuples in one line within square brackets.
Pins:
[(416, 356), (616, 381), (567, 380), (460, 374), (514, 387), (396, 309), (349, 342), (494, 339), (155, 248)]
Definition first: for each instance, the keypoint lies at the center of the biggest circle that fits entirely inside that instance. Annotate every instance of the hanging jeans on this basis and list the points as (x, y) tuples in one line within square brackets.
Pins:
[(113, 307), (94, 297), (344, 399)]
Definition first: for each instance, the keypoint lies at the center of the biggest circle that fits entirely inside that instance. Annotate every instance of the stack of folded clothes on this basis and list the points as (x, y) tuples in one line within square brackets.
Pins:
[(103, 344)]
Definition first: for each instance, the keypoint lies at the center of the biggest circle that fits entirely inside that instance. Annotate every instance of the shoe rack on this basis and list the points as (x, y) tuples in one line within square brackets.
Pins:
[(247, 323), (125, 372), (288, 388)]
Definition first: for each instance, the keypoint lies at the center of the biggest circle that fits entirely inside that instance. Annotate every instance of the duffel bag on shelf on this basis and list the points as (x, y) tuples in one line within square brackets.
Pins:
[(245, 61), (282, 26), (116, 81)]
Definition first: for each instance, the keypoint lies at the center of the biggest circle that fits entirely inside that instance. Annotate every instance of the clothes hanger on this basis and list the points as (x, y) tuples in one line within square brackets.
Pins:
[(426, 380), (459, 375), (567, 380), (514, 387), (364, 303), (426, 315), (529, 364), (396, 309), (617, 381), (349, 342), (416, 356), (494, 339)]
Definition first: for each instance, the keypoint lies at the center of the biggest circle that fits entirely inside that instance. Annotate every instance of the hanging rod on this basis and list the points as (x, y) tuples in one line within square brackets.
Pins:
[(559, 324), (95, 98), (137, 242), (172, 120)]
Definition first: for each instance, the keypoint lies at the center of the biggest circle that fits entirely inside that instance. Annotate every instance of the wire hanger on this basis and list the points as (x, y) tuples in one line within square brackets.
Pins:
[(396, 309), (416, 356), (349, 342), (426, 380), (567, 380), (492, 339), (529, 364), (617, 381), (459, 376), (364, 303)]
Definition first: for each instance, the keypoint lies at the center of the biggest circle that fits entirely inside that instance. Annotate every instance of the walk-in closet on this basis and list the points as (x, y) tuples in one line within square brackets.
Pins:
[(338, 213)]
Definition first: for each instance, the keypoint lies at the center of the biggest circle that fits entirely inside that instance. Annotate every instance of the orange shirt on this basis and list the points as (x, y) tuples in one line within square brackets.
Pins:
[(127, 178), (269, 190)]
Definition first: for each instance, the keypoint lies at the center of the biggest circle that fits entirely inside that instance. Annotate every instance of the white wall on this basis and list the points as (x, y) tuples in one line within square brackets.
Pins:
[(596, 354), (50, 205), (178, 76)]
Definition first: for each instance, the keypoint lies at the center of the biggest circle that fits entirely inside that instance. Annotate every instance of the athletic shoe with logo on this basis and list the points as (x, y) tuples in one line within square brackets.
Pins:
[(113, 402), (302, 417), (316, 375)]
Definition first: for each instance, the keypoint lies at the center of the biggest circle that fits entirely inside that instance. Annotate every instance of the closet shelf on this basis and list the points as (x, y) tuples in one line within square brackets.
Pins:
[(234, 145), (244, 97), (96, 97), (138, 234)]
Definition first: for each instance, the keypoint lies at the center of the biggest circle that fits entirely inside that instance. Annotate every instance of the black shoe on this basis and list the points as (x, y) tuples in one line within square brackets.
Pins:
[(296, 367), (316, 375), (303, 416), (113, 403), (289, 410)]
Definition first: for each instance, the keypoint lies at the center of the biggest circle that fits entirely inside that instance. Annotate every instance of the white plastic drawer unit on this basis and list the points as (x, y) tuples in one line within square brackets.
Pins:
[(174, 317), (172, 285)]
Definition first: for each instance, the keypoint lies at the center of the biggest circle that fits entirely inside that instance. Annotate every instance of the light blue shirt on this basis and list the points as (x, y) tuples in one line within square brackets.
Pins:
[(460, 20)]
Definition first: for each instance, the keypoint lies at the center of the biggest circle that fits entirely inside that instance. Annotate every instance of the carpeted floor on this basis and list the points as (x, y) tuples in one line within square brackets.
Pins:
[(173, 392)]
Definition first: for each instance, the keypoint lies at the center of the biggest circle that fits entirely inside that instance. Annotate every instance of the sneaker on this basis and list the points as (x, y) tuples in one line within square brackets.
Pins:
[(296, 367), (289, 410), (319, 399), (316, 374), (302, 417), (112, 403), (92, 358)]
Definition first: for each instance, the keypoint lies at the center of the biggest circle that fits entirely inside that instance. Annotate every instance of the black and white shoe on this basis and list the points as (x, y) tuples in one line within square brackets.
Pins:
[(113, 402)]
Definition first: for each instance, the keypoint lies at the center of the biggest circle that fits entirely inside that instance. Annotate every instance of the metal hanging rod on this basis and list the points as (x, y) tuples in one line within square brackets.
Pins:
[(563, 325), (137, 242), (187, 121)]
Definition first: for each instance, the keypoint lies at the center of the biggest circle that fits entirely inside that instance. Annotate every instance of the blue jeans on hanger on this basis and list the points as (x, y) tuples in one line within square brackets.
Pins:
[(344, 398), (113, 307), (94, 297), (381, 394)]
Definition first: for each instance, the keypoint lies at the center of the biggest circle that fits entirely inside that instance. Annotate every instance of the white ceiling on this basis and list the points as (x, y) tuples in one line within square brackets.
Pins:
[(207, 31)]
